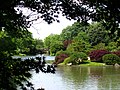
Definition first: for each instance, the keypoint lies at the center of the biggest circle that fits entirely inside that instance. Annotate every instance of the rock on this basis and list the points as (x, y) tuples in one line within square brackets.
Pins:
[(69, 64), (117, 65)]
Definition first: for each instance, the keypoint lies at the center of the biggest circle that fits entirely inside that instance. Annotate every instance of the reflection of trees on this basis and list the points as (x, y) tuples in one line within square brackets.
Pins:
[(95, 72), (110, 80), (100, 78), (74, 75)]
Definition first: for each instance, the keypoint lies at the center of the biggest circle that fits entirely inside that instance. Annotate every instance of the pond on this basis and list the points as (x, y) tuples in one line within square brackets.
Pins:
[(79, 78), (38, 55)]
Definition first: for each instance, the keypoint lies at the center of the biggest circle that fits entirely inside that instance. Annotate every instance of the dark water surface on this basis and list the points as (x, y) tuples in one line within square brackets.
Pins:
[(79, 78)]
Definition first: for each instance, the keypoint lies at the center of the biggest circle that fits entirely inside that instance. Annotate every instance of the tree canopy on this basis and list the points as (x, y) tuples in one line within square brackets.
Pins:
[(15, 24), (81, 10)]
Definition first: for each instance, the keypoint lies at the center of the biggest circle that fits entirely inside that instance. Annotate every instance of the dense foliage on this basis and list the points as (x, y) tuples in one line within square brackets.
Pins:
[(53, 44), (60, 56), (95, 45), (98, 34), (111, 59), (15, 23), (96, 55), (16, 72), (117, 53), (112, 46), (66, 43), (100, 46), (76, 58)]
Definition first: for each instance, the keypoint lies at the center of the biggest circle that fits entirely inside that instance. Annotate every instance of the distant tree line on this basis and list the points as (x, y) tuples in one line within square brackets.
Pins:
[(15, 38), (83, 38)]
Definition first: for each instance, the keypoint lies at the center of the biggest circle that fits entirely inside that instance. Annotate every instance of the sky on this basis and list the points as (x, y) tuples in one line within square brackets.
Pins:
[(40, 30)]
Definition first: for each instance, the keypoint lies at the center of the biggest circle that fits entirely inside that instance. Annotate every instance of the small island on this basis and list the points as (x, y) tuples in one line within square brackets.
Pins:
[(77, 45), (93, 39)]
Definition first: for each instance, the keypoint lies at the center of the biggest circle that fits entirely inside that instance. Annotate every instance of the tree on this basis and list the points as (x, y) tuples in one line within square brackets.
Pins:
[(80, 43), (112, 46), (66, 43), (55, 47), (39, 43), (37, 46), (14, 22), (98, 34), (70, 32), (24, 44), (49, 9), (99, 46), (79, 46), (52, 38)]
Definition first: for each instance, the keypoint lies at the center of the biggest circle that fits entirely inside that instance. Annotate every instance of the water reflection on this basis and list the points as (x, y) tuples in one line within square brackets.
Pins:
[(79, 78)]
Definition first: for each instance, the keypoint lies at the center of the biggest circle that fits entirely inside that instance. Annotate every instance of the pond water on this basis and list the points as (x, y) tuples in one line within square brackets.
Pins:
[(26, 57), (79, 78)]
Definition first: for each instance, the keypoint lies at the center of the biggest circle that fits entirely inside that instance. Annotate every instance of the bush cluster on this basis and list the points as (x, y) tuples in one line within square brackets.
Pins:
[(63, 52), (68, 60), (60, 58), (111, 59), (96, 55), (76, 58), (83, 56), (117, 53), (66, 43)]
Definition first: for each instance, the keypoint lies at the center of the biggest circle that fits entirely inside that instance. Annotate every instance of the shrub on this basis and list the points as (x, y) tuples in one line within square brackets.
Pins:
[(112, 46), (117, 53), (111, 59), (67, 60), (60, 56), (100, 46), (63, 52), (66, 43), (83, 56), (96, 55), (76, 58)]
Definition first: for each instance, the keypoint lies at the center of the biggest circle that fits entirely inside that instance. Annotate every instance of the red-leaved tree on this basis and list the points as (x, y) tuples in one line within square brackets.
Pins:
[(96, 55), (117, 53), (66, 43), (60, 58)]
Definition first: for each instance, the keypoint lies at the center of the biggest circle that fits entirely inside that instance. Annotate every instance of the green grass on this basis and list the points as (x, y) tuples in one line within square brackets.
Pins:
[(61, 63), (89, 63)]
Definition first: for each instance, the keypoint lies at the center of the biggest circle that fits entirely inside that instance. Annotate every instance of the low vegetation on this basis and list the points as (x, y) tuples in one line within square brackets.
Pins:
[(111, 59), (79, 43), (89, 63), (15, 39)]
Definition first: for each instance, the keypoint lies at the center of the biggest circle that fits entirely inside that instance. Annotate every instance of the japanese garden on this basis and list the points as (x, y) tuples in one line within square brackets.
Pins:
[(86, 54)]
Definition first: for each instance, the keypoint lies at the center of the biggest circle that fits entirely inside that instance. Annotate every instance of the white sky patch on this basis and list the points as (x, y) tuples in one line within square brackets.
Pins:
[(42, 29)]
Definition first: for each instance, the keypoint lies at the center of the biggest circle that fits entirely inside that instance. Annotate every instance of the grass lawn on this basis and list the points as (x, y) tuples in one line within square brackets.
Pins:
[(89, 63)]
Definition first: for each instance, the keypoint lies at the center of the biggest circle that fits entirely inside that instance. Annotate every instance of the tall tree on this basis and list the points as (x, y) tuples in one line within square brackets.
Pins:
[(70, 32), (50, 40), (81, 10), (97, 33), (14, 22)]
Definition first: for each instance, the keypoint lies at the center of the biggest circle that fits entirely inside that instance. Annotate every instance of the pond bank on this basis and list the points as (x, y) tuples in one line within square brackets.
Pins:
[(87, 63)]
